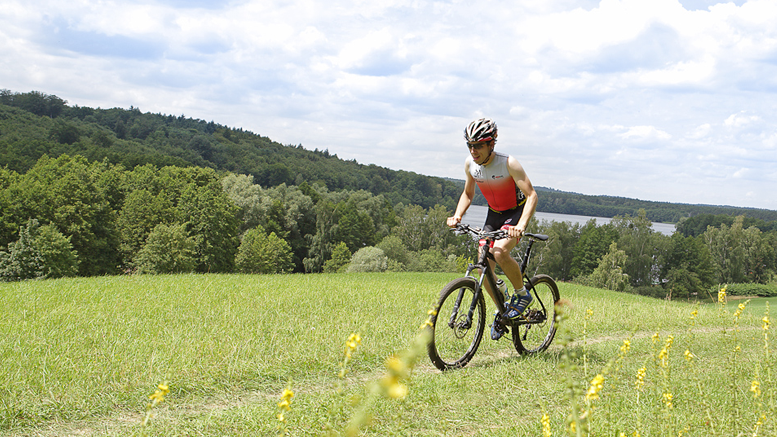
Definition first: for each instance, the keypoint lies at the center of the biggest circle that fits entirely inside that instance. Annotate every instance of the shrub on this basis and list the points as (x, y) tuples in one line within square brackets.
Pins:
[(749, 289), (341, 256), (393, 247), (40, 252), (263, 253), (168, 249), (368, 259)]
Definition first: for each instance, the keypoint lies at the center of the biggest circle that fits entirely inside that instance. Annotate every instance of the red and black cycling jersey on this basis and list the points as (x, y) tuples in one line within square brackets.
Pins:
[(496, 183)]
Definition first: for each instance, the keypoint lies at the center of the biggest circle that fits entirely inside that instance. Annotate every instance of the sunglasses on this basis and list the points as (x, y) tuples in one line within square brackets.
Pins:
[(477, 145)]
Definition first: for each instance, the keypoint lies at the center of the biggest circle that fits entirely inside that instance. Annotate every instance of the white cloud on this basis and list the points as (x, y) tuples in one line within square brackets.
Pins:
[(740, 120), (645, 133)]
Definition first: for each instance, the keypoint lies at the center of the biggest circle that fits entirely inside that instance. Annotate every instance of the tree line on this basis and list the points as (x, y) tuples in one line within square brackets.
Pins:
[(68, 216), (628, 255)]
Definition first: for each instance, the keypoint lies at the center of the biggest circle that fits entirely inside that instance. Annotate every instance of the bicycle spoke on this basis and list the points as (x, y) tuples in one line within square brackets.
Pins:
[(535, 331)]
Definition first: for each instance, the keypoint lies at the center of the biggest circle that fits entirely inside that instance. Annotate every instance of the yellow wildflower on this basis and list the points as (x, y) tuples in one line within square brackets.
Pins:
[(694, 313), (740, 308), (284, 406), (755, 387), (397, 391), (766, 323), (626, 346), (588, 313), (159, 395), (668, 399), (640, 378), (596, 386), (654, 337), (688, 355), (545, 425), (722, 295), (354, 340)]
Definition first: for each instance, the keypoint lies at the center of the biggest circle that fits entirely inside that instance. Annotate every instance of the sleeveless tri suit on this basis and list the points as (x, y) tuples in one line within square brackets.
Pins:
[(505, 199)]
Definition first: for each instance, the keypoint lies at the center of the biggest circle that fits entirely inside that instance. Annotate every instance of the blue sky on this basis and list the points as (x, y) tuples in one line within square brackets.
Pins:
[(664, 100)]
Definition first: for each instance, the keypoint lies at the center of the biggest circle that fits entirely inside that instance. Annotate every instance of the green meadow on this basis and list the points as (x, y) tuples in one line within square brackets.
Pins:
[(82, 357)]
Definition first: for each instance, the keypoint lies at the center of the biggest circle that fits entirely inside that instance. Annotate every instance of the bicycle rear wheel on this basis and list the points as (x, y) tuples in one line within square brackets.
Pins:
[(457, 331), (535, 331)]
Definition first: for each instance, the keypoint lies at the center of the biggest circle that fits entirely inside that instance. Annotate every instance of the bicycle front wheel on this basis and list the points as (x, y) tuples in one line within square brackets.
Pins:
[(535, 331), (458, 326)]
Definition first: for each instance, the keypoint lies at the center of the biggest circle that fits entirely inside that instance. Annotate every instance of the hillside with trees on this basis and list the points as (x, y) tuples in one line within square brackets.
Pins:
[(93, 192)]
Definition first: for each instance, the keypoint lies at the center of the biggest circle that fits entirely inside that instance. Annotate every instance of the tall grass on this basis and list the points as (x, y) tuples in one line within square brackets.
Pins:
[(84, 354)]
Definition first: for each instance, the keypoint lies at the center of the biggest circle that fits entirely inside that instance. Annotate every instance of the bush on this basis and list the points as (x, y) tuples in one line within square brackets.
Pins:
[(168, 249), (750, 289), (393, 247), (341, 256), (40, 252), (262, 253), (368, 259)]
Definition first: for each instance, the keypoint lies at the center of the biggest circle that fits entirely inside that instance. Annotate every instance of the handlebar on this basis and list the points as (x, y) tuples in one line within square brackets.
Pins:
[(478, 233)]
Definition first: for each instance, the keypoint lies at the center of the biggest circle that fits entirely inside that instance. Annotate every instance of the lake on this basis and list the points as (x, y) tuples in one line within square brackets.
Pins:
[(476, 216)]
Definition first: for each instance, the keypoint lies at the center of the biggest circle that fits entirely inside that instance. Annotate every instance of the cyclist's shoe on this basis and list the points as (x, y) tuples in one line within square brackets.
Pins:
[(518, 305), (497, 330)]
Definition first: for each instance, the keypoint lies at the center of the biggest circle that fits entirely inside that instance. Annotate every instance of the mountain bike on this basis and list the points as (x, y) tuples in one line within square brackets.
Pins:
[(459, 319)]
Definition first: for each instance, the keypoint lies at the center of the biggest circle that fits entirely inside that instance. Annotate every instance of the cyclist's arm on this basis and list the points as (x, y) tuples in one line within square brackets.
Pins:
[(466, 197), (526, 187)]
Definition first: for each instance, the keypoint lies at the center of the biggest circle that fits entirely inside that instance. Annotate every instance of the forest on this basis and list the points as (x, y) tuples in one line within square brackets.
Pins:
[(88, 192)]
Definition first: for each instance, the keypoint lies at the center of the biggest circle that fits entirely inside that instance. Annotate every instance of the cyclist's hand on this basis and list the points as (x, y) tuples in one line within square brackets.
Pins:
[(515, 232), (453, 221)]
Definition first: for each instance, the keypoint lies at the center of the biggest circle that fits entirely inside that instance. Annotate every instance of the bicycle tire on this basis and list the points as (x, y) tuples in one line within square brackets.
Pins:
[(536, 330), (452, 346)]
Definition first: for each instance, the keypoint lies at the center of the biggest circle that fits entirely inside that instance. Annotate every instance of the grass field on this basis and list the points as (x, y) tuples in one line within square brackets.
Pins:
[(81, 357)]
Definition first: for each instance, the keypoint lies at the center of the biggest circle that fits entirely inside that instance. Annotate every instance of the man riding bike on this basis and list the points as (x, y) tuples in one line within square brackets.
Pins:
[(511, 204)]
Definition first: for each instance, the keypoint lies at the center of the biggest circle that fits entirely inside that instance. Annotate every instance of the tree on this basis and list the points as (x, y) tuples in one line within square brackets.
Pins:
[(422, 229), (40, 252), (355, 228), (688, 267), (592, 245), (64, 132), (141, 212), (341, 257), (557, 253), (263, 253), (642, 245), (168, 249), (368, 259), (211, 218), (739, 254), (609, 273), (69, 193)]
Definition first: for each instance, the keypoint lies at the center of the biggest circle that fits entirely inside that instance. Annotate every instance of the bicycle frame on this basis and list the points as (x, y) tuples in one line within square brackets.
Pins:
[(486, 274)]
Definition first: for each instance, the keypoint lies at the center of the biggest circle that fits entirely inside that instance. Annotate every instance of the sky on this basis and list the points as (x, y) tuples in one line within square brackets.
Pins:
[(661, 100)]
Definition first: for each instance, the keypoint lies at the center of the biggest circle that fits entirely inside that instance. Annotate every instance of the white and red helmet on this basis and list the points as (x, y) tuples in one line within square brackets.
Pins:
[(483, 129)]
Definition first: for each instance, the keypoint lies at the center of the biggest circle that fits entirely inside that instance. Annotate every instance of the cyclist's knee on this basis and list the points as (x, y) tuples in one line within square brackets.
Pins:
[(500, 254)]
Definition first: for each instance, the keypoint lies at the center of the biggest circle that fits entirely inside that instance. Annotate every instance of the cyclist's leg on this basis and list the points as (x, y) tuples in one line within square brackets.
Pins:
[(509, 265), (503, 247)]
